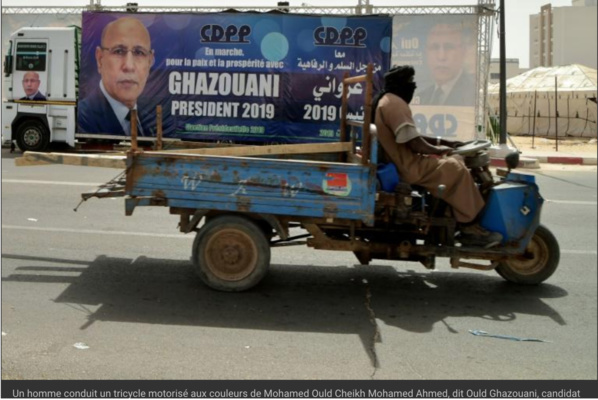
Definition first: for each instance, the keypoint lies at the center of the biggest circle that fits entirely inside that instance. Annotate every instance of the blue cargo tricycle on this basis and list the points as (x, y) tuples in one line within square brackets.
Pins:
[(241, 205)]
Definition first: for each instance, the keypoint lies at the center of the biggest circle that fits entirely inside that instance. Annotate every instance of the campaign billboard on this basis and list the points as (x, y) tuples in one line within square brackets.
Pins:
[(443, 51), (252, 77)]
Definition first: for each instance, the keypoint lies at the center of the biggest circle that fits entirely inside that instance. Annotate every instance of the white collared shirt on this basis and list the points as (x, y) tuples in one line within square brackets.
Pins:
[(120, 110)]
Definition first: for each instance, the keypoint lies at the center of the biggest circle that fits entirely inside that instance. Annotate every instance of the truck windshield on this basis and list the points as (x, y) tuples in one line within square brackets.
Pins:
[(31, 56)]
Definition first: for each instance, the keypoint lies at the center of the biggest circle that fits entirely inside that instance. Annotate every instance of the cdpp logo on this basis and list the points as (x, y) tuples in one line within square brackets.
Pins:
[(330, 36), (437, 124), (231, 34)]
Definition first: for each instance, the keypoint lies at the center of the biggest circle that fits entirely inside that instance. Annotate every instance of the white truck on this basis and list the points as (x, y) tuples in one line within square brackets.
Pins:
[(50, 57)]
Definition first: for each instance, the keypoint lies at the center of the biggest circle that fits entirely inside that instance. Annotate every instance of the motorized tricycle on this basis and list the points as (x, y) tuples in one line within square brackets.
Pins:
[(242, 206)]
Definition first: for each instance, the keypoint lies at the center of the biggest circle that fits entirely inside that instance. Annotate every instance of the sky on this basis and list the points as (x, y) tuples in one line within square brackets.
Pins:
[(516, 17)]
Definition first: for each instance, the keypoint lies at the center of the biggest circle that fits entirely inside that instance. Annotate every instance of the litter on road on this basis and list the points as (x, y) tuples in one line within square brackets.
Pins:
[(477, 332)]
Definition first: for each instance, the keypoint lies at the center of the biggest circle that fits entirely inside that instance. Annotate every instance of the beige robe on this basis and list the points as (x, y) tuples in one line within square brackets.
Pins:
[(395, 126)]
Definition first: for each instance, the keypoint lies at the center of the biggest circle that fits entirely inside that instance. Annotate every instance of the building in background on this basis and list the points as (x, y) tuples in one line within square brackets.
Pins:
[(564, 35), (512, 65)]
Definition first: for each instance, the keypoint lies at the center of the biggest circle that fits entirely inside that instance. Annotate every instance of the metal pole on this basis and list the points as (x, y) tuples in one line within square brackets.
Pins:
[(534, 128), (556, 113), (503, 78)]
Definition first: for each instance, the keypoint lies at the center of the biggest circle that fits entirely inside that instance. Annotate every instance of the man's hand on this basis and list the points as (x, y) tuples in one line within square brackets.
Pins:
[(437, 142), (421, 145), (444, 150)]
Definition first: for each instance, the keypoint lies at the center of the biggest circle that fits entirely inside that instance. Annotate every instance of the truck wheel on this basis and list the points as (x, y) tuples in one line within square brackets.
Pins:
[(231, 253), (537, 264), (32, 136)]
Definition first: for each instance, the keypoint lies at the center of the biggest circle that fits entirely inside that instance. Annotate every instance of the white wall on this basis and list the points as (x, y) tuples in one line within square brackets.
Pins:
[(581, 3), (574, 39), (574, 35)]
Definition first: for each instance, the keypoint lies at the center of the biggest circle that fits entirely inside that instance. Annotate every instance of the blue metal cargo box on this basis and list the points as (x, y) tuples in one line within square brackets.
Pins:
[(256, 185)]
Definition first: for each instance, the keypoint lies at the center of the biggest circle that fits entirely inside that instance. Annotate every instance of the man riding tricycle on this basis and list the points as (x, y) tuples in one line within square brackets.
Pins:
[(428, 200)]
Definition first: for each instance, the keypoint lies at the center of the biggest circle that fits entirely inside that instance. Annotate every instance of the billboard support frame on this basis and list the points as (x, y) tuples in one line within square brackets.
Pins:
[(485, 10)]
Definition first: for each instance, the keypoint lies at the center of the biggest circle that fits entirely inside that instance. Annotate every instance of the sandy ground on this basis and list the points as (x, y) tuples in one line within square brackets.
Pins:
[(565, 145)]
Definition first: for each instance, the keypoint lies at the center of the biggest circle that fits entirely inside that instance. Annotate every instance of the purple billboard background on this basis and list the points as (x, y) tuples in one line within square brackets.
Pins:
[(247, 77)]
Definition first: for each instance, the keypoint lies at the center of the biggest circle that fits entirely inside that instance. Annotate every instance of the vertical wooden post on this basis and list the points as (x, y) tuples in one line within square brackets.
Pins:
[(133, 122), (366, 144), (344, 110), (159, 127), (342, 157)]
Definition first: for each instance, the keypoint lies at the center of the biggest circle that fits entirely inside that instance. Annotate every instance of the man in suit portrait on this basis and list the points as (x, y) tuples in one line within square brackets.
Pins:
[(124, 59), (31, 87), (445, 57)]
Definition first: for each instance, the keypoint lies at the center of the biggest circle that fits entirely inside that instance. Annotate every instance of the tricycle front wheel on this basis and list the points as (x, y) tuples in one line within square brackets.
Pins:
[(231, 253), (537, 264)]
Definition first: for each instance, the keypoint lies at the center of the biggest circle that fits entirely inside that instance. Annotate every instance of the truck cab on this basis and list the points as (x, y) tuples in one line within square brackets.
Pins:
[(41, 87)]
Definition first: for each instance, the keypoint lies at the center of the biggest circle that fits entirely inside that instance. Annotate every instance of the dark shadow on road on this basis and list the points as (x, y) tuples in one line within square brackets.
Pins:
[(6, 153), (290, 298)]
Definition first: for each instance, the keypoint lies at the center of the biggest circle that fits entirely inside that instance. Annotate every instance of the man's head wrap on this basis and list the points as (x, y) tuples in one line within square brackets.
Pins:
[(399, 81)]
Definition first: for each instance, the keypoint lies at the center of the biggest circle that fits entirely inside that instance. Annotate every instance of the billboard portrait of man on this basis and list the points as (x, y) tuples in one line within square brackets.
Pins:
[(446, 53), (124, 58), (31, 84), (443, 50)]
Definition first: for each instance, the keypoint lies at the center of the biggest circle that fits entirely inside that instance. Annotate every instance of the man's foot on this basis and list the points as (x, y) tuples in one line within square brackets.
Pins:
[(475, 235)]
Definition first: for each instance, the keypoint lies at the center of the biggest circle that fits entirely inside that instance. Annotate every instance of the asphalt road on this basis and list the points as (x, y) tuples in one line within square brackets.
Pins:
[(93, 294)]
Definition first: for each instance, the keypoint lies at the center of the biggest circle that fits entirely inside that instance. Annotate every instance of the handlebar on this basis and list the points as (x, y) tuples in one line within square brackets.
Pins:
[(472, 147)]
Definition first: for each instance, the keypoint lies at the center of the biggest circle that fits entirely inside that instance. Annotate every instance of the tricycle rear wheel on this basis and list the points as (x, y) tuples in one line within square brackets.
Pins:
[(231, 253), (537, 264)]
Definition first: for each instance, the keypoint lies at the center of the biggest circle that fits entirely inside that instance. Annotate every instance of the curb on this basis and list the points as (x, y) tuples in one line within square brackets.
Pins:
[(567, 160), (535, 161), (524, 162)]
